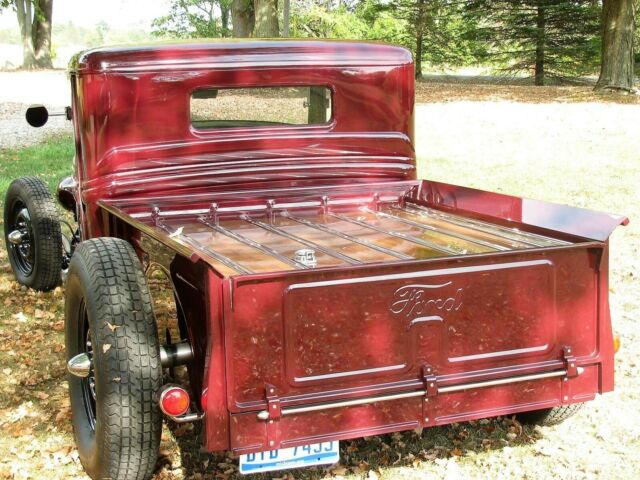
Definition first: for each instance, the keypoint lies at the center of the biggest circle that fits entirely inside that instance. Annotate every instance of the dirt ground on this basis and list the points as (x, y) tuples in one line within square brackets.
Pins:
[(530, 142)]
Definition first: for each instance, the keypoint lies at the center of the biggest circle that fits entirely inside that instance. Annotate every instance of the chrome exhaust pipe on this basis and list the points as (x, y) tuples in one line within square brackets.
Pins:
[(175, 354), (170, 356)]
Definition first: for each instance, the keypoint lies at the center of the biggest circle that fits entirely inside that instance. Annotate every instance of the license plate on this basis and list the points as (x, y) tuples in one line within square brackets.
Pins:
[(324, 453)]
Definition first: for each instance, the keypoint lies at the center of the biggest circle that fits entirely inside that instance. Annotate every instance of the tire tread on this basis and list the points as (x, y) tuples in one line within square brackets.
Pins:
[(130, 416)]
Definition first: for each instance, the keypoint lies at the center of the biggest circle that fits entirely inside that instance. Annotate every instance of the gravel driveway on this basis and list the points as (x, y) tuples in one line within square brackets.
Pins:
[(21, 89)]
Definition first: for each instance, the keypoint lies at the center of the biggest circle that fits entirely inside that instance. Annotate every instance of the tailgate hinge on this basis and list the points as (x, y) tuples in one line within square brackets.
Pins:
[(571, 367), (275, 413), (570, 363), (430, 391)]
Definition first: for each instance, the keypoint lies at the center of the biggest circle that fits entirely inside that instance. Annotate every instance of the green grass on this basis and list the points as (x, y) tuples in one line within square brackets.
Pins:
[(50, 160)]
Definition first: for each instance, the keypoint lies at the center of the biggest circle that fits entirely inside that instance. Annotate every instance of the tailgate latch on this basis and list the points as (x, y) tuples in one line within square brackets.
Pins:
[(570, 363), (430, 391), (430, 381), (273, 402)]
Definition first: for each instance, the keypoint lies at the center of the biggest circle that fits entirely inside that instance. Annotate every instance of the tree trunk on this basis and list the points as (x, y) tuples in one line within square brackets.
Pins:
[(266, 12), (420, 18), (418, 63), (243, 18), (42, 33), (23, 9), (224, 18), (541, 23), (618, 23), (286, 18)]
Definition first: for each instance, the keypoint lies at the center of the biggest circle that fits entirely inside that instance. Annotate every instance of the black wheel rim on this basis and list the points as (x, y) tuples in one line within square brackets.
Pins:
[(88, 383), (22, 253)]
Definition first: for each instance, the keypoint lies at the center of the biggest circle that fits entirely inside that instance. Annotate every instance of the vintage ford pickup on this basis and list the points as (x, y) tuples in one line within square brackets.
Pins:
[(322, 292)]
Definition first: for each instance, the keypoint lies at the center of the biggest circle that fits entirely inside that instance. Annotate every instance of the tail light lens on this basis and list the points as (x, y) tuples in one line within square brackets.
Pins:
[(174, 400), (616, 343)]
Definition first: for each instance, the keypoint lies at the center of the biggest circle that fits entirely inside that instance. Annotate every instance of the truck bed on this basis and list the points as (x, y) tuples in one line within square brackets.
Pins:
[(364, 227), (255, 243)]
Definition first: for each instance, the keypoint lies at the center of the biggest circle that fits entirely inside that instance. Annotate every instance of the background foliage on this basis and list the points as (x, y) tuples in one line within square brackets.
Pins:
[(539, 38)]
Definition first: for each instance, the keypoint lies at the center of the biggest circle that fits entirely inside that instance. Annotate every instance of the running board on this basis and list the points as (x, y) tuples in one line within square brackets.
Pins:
[(264, 414)]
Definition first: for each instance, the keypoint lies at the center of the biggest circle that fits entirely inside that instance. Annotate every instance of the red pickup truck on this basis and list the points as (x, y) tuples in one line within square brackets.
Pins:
[(321, 291)]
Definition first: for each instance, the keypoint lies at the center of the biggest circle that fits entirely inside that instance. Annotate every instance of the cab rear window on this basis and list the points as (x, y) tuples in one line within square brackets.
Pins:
[(259, 107)]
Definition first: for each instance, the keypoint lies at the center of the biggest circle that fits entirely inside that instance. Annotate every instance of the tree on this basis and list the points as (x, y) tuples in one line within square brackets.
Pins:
[(243, 18), (549, 37), (417, 14), (433, 30), (266, 18), (617, 64), (195, 19), (286, 18), (34, 19)]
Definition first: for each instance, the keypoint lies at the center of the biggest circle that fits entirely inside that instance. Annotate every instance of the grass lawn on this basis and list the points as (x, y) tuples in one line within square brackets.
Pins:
[(580, 154), (51, 160)]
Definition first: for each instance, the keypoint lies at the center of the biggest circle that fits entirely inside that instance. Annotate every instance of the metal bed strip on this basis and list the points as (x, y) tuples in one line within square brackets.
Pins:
[(338, 233), (392, 233), (303, 241), (247, 241), (194, 243), (529, 238), (264, 414), (431, 228)]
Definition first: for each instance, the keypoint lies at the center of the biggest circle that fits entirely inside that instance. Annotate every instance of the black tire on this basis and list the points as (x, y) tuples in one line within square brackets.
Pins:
[(30, 209), (550, 416), (117, 425)]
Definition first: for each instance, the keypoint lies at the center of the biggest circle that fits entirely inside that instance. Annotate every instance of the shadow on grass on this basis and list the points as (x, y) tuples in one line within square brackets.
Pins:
[(384, 452)]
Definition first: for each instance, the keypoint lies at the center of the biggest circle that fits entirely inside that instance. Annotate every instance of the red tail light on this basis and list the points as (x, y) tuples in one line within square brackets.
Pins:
[(203, 399), (174, 400)]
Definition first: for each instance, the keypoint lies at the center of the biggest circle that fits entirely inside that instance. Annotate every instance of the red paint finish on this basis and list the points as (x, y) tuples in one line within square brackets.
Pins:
[(299, 337), (475, 315)]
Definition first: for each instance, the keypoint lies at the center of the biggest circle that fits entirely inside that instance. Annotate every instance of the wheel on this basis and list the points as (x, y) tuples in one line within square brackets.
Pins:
[(32, 234), (114, 361), (550, 416)]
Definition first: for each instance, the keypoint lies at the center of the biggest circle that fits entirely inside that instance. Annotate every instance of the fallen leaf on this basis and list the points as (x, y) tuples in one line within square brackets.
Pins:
[(106, 347), (42, 395), (339, 470), (112, 327)]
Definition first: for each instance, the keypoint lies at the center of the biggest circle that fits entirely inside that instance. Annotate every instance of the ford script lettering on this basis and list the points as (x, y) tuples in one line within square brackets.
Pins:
[(419, 299)]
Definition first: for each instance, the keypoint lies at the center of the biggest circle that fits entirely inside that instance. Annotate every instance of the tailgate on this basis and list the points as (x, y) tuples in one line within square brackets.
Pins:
[(316, 337)]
